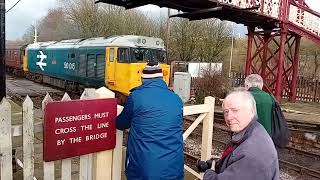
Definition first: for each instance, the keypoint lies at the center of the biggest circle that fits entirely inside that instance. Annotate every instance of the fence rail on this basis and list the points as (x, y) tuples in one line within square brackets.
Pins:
[(308, 89), (206, 113), (90, 164), (105, 165)]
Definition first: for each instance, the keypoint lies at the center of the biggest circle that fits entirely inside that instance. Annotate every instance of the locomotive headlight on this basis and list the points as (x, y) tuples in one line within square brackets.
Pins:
[(165, 73)]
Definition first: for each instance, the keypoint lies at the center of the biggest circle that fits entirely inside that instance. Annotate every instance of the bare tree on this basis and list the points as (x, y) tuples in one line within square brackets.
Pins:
[(105, 20), (183, 39), (310, 53), (28, 36), (85, 15), (52, 26), (202, 40), (205, 40), (216, 40)]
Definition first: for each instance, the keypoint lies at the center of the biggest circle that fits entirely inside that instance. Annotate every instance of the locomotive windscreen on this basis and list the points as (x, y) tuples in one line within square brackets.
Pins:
[(148, 55)]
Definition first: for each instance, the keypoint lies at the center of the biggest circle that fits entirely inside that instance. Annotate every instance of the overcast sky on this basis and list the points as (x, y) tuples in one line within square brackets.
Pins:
[(28, 11), (25, 13)]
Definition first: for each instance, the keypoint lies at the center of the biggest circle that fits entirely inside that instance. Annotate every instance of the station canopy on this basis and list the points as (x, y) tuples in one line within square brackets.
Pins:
[(183, 5), (204, 9)]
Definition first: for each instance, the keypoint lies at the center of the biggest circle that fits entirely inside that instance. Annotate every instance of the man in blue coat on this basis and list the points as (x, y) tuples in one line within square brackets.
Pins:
[(154, 115)]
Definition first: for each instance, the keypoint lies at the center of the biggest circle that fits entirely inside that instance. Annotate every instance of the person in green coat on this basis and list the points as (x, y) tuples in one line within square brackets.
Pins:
[(254, 83)]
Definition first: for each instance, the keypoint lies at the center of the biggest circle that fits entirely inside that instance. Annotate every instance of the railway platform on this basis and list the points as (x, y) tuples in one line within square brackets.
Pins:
[(18, 87)]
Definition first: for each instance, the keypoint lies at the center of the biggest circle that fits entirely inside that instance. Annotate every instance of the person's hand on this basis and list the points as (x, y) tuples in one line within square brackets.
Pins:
[(214, 159), (213, 166)]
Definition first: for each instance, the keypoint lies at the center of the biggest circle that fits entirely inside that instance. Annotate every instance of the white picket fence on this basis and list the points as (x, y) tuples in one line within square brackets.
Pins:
[(104, 165)]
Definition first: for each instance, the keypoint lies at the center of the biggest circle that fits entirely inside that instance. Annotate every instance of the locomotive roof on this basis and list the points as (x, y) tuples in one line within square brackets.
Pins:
[(122, 41)]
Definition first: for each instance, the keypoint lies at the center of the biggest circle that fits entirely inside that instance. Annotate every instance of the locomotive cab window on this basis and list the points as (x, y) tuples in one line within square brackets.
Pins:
[(161, 56), (148, 55), (111, 55), (136, 55), (123, 55)]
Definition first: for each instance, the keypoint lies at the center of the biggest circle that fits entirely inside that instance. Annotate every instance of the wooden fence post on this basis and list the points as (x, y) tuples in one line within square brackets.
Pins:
[(117, 152), (28, 139), (315, 94), (66, 163), (317, 99), (207, 129), (5, 140), (86, 161), (103, 160), (108, 163), (48, 167)]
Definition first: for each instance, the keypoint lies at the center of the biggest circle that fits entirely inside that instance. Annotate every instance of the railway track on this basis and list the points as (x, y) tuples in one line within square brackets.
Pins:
[(218, 125), (20, 99), (313, 130), (297, 127), (292, 124), (17, 98), (283, 163), (290, 148), (36, 93), (286, 164)]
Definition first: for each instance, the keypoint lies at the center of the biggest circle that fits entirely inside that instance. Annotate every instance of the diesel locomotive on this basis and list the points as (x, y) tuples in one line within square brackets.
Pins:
[(115, 62)]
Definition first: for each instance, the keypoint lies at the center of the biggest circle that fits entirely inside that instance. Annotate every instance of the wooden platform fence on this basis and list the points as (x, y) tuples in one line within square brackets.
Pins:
[(206, 113), (308, 89), (106, 165)]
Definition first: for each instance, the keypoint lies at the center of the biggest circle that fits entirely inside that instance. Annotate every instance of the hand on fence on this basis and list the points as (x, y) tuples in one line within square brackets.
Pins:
[(214, 160)]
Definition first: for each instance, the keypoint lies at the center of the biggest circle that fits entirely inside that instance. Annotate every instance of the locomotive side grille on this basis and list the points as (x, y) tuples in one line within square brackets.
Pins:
[(91, 66), (100, 66), (82, 66)]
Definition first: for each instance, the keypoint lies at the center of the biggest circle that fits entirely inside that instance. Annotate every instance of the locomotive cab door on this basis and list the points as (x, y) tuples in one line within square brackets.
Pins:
[(111, 60)]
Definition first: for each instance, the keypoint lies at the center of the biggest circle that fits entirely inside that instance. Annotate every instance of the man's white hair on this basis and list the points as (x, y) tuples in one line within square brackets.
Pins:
[(247, 99), (253, 80)]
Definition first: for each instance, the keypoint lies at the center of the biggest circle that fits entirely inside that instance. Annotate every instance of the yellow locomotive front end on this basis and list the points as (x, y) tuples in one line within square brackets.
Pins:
[(127, 57)]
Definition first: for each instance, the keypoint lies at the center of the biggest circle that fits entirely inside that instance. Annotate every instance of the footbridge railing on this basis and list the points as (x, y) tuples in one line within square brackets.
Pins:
[(269, 8), (305, 21)]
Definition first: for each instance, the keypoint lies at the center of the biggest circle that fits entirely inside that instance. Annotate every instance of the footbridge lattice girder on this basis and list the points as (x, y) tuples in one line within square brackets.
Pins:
[(263, 57), (274, 56)]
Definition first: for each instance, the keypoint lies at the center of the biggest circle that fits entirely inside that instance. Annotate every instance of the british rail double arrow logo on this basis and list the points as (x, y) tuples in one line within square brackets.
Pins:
[(41, 63)]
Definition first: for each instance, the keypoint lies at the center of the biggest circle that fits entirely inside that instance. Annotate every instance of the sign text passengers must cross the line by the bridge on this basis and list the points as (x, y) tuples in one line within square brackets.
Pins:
[(79, 127)]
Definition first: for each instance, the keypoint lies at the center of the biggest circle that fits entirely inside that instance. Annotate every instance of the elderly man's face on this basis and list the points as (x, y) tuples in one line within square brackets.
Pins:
[(236, 114)]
